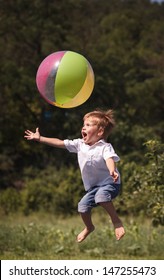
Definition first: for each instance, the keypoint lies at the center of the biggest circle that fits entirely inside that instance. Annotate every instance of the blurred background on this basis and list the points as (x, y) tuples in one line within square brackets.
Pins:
[(124, 42)]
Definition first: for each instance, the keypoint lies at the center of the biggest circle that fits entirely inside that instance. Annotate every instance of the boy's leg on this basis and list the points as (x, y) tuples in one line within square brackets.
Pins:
[(119, 229), (84, 208), (89, 227)]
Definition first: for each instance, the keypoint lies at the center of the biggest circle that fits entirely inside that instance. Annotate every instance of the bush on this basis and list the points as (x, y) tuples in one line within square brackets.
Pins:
[(10, 200), (55, 191), (143, 188)]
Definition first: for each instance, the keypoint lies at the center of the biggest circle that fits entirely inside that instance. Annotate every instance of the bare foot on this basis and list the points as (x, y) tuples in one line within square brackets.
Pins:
[(119, 231), (85, 232)]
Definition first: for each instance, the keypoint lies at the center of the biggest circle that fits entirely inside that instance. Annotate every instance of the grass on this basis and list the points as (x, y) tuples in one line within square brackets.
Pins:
[(42, 236)]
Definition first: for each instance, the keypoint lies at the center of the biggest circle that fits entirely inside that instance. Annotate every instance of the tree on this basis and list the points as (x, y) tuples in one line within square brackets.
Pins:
[(123, 42)]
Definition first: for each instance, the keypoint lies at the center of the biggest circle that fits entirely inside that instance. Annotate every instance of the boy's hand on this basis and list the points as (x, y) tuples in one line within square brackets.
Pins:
[(115, 176), (29, 135)]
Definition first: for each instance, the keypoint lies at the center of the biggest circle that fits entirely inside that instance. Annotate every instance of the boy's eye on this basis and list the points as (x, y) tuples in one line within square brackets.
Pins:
[(86, 124)]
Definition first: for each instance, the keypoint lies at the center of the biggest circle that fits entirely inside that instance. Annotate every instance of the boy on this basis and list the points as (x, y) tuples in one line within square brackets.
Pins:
[(96, 160)]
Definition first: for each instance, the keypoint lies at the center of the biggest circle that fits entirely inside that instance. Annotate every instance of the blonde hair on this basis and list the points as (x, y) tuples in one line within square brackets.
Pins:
[(104, 119)]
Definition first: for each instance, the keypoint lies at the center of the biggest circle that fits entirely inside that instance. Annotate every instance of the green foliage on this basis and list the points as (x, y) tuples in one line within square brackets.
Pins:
[(52, 190), (156, 181), (143, 188), (10, 201)]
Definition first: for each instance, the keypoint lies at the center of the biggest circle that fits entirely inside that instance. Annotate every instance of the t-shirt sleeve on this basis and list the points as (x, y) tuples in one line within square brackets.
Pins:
[(72, 145), (109, 152)]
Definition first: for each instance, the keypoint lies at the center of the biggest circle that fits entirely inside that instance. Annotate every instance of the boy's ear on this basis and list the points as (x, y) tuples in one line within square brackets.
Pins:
[(101, 131)]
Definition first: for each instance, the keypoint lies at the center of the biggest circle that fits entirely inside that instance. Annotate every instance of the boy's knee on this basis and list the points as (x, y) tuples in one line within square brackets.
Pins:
[(82, 207), (100, 198)]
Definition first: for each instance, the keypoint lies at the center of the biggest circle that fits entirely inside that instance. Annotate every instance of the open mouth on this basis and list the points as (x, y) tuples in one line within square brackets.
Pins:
[(84, 135)]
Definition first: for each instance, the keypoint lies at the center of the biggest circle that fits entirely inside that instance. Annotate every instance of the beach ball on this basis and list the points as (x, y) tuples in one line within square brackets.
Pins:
[(65, 79)]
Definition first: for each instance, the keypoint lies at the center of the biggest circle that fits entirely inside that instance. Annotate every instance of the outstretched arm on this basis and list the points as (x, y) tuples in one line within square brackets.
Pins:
[(35, 136)]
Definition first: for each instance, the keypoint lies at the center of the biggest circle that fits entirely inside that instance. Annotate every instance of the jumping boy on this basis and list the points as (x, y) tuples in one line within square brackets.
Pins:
[(96, 160)]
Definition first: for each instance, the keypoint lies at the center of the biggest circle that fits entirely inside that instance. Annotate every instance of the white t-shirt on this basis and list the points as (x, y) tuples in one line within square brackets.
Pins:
[(91, 161)]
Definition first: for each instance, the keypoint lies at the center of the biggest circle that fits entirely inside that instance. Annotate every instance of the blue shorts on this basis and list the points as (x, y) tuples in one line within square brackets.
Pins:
[(95, 195)]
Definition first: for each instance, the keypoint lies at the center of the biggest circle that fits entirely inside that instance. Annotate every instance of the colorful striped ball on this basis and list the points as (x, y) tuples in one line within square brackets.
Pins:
[(65, 79)]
